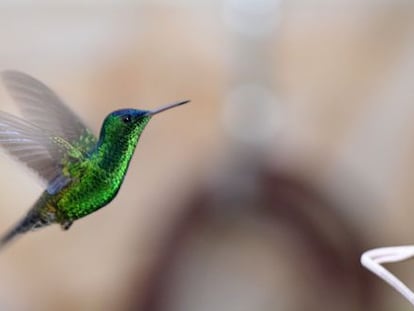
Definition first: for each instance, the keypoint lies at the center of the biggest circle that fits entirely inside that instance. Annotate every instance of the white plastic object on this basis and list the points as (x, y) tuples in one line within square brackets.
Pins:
[(373, 260)]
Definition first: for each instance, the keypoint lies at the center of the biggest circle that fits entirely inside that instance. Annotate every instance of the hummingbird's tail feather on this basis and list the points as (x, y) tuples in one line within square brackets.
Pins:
[(31, 221)]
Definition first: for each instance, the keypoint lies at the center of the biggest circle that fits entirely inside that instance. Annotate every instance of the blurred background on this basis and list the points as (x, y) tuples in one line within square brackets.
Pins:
[(294, 156)]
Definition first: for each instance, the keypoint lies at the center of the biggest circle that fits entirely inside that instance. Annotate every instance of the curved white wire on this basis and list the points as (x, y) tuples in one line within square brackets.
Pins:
[(373, 259)]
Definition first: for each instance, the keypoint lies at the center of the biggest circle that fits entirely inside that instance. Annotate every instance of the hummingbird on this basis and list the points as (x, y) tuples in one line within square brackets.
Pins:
[(80, 171)]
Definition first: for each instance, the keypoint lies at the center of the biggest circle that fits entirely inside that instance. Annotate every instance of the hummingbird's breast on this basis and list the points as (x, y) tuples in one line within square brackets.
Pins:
[(96, 181), (88, 193)]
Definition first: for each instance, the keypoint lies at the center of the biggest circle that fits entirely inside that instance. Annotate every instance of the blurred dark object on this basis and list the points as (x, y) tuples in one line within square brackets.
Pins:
[(260, 240)]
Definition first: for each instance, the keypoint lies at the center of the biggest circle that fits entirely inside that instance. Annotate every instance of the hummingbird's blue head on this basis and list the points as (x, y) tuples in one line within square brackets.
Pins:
[(128, 117), (126, 122)]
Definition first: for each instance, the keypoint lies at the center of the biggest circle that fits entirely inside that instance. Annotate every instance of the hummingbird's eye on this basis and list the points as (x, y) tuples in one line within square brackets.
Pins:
[(126, 118)]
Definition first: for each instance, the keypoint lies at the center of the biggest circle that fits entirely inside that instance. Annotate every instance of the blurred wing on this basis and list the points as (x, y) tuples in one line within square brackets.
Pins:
[(32, 146), (42, 107)]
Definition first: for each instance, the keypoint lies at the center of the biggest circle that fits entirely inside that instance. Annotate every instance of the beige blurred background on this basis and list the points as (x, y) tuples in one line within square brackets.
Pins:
[(294, 156)]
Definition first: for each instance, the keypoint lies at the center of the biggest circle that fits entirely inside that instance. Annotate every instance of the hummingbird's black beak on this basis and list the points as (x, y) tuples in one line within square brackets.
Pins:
[(166, 107)]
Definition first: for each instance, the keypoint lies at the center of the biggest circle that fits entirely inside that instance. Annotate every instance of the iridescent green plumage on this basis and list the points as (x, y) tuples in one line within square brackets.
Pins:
[(82, 173), (104, 169)]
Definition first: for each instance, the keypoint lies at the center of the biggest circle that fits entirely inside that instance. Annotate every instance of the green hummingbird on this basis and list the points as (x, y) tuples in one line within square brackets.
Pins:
[(81, 172)]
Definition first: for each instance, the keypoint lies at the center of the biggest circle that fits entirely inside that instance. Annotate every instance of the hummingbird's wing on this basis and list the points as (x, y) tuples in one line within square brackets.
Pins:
[(50, 137), (42, 107), (31, 145)]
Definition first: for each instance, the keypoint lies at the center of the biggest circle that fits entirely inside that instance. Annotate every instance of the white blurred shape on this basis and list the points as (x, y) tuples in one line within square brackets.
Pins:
[(252, 115), (251, 17)]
